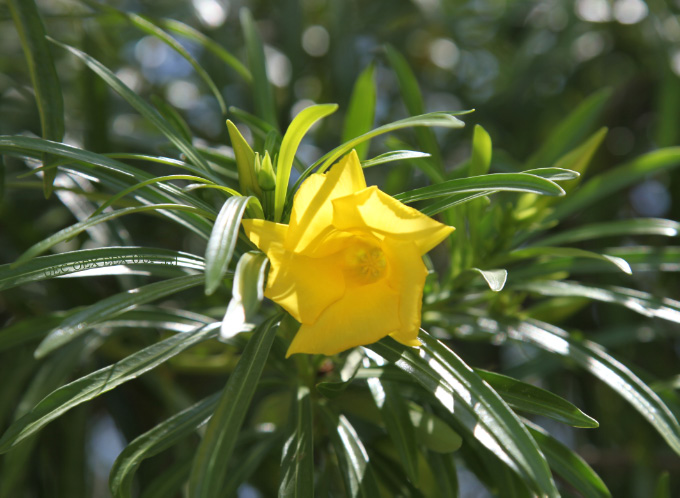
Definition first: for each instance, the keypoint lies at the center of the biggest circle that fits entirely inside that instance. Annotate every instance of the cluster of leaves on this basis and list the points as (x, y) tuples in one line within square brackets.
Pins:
[(384, 420)]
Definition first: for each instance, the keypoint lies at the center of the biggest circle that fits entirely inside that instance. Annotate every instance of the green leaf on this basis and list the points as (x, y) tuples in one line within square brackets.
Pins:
[(89, 387), (531, 399), (170, 482), (513, 182), (638, 301), (481, 153), (410, 92), (192, 34), (291, 140), (361, 110), (213, 454), (554, 174), (441, 119), (246, 295), (568, 465), (222, 241), (617, 228), (154, 441), (44, 77), (70, 232), (355, 466), (245, 161), (663, 486), (474, 404), (297, 459), (571, 130), (140, 105), (395, 414), (616, 179), (264, 96), (440, 205), (569, 252), (79, 323), (151, 28), (394, 155), (495, 278), (98, 261), (432, 432), (594, 359)]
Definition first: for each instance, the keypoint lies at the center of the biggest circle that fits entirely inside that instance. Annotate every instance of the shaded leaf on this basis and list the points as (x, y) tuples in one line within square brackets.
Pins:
[(210, 461), (297, 459), (44, 77), (361, 110), (97, 383)]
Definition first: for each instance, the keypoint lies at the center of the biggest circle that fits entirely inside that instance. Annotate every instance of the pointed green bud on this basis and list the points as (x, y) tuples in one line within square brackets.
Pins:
[(245, 161), (266, 178)]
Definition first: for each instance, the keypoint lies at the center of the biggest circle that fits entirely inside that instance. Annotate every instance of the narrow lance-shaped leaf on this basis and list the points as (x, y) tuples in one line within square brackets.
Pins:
[(154, 441), (514, 182), (569, 465), (413, 98), (394, 155), (297, 459), (474, 404), (617, 228), (638, 301), (355, 465), (616, 179), (531, 399), (212, 457), (44, 77), (395, 414), (223, 241), (291, 140), (195, 35), (569, 252), (151, 28), (95, 260), (246, 295), (361, 111), (264, 96), (76, 325), (70, 232), (571, 130), (594, 359), (142, 107), (97, 383)]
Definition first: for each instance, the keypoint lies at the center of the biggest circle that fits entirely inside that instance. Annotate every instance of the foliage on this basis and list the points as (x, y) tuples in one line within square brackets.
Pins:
[(133, 302)]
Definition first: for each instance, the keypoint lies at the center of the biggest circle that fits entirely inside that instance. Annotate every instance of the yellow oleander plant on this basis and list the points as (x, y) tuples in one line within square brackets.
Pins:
[(209, 312)]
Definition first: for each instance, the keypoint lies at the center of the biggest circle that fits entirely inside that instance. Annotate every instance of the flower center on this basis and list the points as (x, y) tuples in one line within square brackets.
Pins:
[(364, 263)]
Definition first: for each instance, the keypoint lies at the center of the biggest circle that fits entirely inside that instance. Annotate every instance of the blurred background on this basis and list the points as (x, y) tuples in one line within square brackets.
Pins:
[(523, 65)]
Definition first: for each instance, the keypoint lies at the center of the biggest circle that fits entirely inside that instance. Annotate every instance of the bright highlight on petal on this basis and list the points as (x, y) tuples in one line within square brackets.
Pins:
[(349, 265)]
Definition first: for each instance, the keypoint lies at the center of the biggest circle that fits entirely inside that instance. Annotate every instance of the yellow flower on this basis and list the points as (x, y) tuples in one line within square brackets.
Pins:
[(349, 265)]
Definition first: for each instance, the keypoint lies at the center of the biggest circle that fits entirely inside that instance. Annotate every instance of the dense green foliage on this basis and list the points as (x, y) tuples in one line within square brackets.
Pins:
[(550, 353)]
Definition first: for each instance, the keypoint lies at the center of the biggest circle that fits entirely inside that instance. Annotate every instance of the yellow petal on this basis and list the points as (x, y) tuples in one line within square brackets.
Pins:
[(303, 286), (263, 233), (407, 277), (363, 316), (310, 219), (373, 210)]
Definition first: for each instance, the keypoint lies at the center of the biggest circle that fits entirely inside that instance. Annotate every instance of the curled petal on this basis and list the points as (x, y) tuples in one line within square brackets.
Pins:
[(312, 214), (407, 277), (303, 286), (362, 316), (373, 210)]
